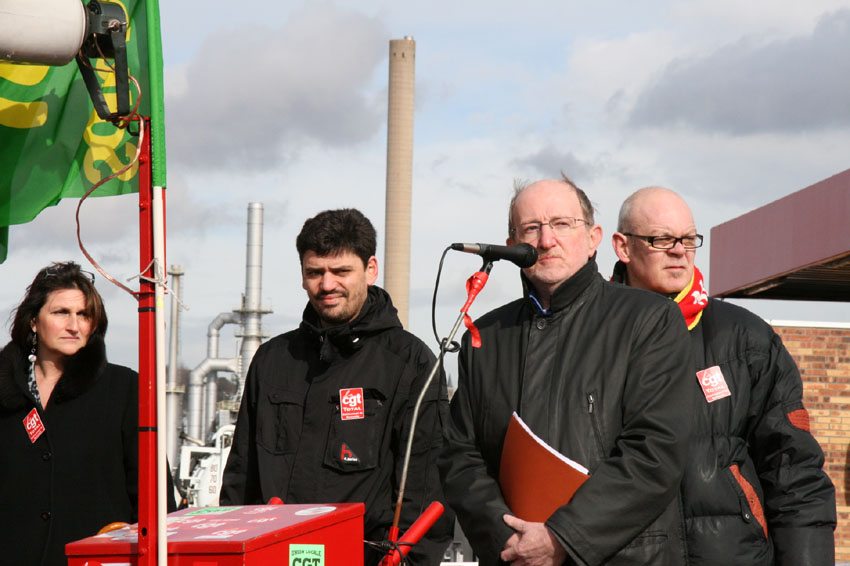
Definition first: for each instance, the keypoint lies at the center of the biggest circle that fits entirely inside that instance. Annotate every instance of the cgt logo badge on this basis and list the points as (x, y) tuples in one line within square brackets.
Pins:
[(713, 384), (351, 404), (306, 555), (33, 425)]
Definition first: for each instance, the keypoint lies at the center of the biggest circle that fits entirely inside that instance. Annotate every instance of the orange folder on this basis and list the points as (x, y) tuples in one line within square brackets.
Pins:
[(535, 478)]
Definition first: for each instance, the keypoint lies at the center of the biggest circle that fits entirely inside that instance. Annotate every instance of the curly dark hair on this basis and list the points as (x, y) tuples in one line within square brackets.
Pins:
[(336, 231), (57, 277)]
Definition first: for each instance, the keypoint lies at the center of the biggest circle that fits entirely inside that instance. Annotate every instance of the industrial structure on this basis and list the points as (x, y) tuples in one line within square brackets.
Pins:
[(399, 174), (207, 420)]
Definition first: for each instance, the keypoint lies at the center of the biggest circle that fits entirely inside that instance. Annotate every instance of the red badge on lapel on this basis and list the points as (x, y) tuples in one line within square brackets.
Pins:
[(33, 425), (713, 384)]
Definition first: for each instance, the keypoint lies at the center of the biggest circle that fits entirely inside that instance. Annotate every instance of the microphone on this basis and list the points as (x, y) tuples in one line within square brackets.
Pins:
[(523, 255)]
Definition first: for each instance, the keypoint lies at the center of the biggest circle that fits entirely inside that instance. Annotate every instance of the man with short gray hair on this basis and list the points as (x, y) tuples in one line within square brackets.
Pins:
[(596, 370)]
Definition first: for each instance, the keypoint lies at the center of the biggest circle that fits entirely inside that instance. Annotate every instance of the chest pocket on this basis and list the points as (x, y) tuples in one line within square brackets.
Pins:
[(355, 444), (279, 416)]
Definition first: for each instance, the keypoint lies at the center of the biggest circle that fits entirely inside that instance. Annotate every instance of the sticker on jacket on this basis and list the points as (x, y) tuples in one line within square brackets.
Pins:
[(346, 454), (33, 425), (351, 404), (713, 384)]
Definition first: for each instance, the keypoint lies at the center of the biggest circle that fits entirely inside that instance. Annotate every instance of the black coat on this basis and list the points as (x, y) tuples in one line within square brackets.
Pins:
[(82, 472), (290, 441), (758, 437), (604, 380)]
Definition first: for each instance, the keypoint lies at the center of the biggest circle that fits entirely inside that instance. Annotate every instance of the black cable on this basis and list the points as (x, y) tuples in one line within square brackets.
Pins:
[(453, 346), (385, 547)]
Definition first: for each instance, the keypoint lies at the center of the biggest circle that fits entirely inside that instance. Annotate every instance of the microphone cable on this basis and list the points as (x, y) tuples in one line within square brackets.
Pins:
[(453, 346)]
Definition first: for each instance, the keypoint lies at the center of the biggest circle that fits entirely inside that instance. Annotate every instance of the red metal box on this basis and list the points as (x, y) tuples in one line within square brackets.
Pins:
[(250, 535)]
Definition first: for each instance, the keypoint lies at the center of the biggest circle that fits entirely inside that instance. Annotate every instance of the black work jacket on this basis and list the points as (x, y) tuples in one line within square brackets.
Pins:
[(291, 442), (754, 490), (82, 472), (603, 380)]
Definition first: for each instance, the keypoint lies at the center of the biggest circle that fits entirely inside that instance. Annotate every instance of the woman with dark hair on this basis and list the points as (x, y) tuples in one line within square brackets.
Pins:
[(68, 423)]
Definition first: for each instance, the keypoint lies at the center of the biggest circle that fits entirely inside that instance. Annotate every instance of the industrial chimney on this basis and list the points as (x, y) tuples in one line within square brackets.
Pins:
[(399, 174)]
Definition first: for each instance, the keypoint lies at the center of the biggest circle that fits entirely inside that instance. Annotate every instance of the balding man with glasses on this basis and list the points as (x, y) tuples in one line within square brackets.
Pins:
[(754, 491), (596, 370)]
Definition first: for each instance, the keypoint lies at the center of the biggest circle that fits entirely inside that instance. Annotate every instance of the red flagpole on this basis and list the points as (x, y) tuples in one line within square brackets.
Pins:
[(147, 363)]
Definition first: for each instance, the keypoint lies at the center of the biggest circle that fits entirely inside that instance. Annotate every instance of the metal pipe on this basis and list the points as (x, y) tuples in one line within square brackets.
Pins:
[(215, 326), (252, 332), (210, 398), (174, 395), (194, 412)]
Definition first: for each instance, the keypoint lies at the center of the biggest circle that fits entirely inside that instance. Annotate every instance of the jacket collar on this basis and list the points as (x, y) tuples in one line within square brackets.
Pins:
[(378, 314), (82, 370), (568, 291), (620, 273)]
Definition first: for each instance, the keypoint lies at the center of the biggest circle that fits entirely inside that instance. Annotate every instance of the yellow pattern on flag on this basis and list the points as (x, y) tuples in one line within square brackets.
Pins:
[(22, 115), (24, 75)]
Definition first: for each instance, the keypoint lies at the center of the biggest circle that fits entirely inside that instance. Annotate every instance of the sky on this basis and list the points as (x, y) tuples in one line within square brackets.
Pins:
[(732, 104)]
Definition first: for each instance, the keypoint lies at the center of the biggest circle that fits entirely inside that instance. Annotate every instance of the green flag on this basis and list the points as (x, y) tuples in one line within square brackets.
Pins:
[(52, 143)]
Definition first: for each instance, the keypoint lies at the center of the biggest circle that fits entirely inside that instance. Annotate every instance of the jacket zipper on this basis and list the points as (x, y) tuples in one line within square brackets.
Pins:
[(594, 422)]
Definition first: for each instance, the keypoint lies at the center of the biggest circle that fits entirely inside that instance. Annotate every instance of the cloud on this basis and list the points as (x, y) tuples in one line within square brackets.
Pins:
[(549, 162), (107, 222), (796, 84), (255, 95)]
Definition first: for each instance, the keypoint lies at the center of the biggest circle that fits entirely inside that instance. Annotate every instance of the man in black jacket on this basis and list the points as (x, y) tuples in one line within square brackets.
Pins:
[(599, 372), (327, 407), (754, 490)]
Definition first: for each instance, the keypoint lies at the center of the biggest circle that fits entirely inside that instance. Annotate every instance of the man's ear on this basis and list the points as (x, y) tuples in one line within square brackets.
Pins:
[(371, 271), (620, 242), (595, 233)]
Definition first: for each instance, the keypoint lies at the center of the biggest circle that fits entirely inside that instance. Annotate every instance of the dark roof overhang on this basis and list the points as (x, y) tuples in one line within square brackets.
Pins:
[(795, 248)]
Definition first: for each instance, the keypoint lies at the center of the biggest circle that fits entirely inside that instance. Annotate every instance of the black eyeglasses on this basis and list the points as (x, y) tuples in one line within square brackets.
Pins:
[(690, 242), (64, 269)]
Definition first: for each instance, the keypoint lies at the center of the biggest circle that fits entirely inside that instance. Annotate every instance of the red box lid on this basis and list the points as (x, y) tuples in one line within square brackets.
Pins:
[(225, 530)]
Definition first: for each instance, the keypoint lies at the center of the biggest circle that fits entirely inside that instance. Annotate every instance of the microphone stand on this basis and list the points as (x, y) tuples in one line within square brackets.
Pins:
[(474, 285)]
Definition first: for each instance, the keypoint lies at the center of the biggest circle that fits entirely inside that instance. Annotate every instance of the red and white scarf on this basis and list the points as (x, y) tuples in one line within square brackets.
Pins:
[(692, 299)]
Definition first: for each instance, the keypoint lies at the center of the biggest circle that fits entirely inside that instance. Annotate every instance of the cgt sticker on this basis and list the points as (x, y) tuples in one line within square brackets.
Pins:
[(351, 404), (33, 425), (306, 555), (713, 384)]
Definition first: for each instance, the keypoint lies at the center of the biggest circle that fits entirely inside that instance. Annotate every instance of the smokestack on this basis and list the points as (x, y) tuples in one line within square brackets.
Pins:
[(252, 310), (399, 174)]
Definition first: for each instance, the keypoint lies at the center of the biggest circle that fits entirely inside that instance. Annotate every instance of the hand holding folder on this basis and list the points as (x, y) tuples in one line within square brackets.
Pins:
[(535, 478)]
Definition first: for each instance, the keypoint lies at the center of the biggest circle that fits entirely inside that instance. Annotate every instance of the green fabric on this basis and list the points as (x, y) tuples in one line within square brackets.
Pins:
[(157, 95), (4, 242), (53, 145)]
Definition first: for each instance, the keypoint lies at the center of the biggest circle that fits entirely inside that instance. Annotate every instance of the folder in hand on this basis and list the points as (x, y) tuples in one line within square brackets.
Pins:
[(535, 478)]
